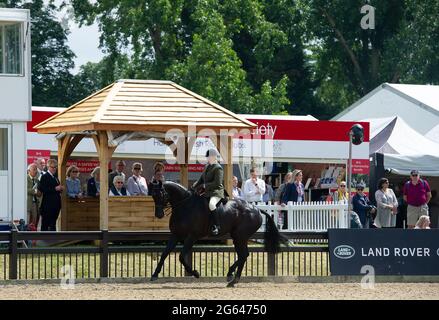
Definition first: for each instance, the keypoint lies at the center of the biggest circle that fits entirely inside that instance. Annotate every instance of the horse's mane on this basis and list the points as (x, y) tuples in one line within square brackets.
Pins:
[(176, 189), (175, 185)]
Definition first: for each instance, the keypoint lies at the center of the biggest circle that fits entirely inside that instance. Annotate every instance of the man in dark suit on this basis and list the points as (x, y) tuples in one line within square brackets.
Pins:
[(51, 204)]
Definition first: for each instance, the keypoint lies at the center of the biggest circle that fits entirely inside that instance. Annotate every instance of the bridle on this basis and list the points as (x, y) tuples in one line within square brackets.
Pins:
[(166, 205)]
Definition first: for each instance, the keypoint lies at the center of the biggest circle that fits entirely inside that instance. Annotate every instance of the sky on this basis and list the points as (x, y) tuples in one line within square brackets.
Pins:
[(82, 41)]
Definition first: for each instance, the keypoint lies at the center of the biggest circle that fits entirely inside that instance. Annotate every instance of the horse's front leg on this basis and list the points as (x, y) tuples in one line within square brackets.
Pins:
[(231, 271), (172, 242), (188, 244)]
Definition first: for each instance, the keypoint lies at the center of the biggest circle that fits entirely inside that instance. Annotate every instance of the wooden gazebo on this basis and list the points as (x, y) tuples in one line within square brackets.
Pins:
[(135, 110)]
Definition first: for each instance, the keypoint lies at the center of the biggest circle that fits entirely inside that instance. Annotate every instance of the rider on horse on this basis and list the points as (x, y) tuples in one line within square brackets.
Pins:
[(212, 181)]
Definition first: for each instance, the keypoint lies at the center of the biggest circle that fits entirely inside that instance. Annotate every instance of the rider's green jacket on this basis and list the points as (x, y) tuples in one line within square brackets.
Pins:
[(212, 178)]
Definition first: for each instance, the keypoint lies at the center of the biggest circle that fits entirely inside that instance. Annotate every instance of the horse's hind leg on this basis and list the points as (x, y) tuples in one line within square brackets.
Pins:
[(172, 242), (242, 250), (188, 244)]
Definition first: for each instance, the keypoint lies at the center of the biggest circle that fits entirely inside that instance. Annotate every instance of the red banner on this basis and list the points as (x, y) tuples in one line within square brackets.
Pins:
[(33, 155), (322, 130), (176, 167), (84, 166), (360, 166)]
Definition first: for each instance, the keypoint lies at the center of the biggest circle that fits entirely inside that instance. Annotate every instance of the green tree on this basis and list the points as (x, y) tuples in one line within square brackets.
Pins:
[(95, 76), (150, 31), (185, 41), (350, 61), (267, 36)]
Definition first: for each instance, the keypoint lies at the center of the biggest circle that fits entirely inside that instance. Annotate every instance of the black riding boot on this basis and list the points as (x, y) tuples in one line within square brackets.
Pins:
[(216, 226)]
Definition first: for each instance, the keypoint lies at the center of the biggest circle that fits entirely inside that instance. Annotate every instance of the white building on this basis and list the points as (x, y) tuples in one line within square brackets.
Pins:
[(15, 110), (417, 105)]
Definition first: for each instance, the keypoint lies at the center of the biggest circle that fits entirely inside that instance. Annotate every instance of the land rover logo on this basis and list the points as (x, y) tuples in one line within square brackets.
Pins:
[(344, 252)]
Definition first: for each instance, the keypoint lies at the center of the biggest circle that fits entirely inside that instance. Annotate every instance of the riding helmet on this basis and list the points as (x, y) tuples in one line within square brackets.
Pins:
[(212, 152)]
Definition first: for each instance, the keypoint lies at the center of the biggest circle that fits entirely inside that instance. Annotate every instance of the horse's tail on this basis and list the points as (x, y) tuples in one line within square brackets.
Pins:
[(272, 236)]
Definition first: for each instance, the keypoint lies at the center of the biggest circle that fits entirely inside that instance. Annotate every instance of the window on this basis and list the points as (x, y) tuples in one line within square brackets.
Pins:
[(11, 48), (3, 149)]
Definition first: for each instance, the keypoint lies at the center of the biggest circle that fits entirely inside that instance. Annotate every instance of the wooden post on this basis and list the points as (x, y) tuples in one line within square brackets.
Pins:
[(66, 145), (184, 172), (228, 167), (62, 163), (103, 197)]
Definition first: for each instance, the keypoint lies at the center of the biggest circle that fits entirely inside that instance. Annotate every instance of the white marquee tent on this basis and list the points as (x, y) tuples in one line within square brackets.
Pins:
[(403, 147), (417, 105)]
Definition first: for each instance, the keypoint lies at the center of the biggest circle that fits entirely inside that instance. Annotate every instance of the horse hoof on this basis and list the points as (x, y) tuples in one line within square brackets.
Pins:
[(154, 278), (230, 278), (195, 274), (231, 284)]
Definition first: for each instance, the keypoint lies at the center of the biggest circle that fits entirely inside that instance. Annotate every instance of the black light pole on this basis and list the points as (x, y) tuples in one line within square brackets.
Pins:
[(351, 134), (356, 136)]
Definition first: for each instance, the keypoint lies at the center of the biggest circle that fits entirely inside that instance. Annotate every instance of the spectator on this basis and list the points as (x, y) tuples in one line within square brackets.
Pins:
[(136, 184), (341, 194), (423, 222), (254, 188), (117, 188), (120, 167), (269, 193), (294, 191), (236, 191), (94, 183), (363, 207), (434, 209), (355, 221), (33, 196), (51, 189), (401, 217), (73, 183), (283, 215), (387, 205), (281, 190), (41, 165), (159, 171), (159, 176), (417, 194)]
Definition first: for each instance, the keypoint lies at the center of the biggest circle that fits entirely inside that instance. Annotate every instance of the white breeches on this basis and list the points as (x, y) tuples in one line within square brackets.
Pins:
[(213, 202)]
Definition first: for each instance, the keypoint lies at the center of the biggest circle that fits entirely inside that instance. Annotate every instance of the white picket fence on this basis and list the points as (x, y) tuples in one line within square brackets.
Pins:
[(315, 216)]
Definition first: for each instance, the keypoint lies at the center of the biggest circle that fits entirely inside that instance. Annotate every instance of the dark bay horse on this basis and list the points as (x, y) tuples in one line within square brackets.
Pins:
[(190, 221)]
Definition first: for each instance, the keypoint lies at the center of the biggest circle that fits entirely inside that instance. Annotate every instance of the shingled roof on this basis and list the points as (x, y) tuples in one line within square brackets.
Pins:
[(139, 105)]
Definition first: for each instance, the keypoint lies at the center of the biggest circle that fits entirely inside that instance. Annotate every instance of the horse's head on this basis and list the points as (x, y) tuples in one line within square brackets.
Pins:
[(168, 193), (160, 199)]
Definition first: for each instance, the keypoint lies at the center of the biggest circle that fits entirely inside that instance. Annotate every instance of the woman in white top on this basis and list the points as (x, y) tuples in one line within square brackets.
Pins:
[(136, 184), (387, 205)]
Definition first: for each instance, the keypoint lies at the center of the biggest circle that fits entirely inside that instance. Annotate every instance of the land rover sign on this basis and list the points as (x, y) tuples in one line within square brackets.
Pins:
[(388, 251), (344, 252)]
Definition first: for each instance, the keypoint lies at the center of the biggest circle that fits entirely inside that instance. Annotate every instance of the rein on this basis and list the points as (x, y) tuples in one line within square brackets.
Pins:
[(168, 204)]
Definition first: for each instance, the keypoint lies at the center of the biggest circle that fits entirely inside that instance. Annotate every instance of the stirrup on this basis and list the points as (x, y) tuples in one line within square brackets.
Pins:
[(214, 230)]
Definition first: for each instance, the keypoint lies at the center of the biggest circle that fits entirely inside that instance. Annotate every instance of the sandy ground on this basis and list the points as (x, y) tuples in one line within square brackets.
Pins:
[(217, 290)]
